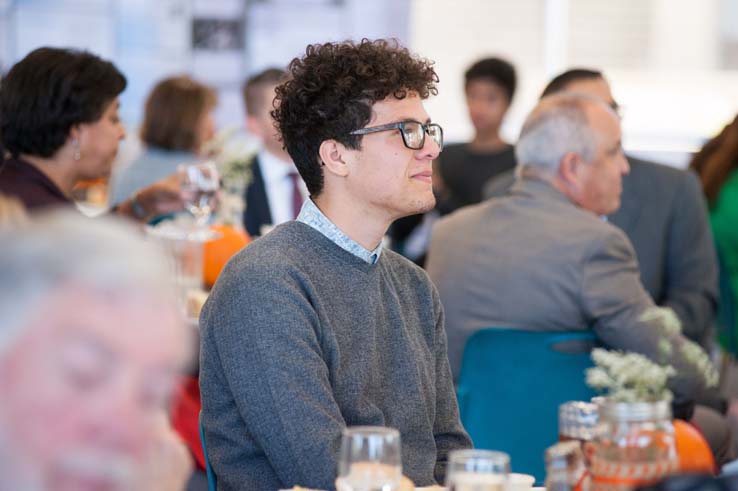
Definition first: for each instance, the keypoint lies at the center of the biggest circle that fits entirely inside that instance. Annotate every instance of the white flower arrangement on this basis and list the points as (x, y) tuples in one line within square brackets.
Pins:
[(631, 377), (233, 157)]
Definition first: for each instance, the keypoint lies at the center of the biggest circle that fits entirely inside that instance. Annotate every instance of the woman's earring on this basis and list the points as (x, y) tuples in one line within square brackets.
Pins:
[(77, 155)]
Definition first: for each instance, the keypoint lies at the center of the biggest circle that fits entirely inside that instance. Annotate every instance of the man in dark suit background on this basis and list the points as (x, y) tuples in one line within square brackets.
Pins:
[(664, 215), (276, 191)]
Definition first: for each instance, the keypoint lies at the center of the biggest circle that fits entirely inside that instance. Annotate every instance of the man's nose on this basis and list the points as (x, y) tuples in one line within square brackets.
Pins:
[(123, 424), (430, 149)]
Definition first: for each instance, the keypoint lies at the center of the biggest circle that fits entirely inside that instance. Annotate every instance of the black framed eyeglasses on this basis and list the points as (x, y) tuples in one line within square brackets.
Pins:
[(413, 133)]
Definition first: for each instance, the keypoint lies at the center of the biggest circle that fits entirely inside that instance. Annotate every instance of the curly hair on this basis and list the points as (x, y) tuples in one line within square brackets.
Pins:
[(716, 161), (48, 92), (331, 91)]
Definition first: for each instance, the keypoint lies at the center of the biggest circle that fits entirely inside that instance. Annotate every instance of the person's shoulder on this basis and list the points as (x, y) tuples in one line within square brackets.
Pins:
[(500, 184), (640, 168), (605, 239), (286, 239), (463, 219), (399, 263), (408, 275), (661, 185), (280, 249)]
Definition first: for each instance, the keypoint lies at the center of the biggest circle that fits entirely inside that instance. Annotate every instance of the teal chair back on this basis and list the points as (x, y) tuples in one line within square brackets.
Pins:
[(212, 483), (511, 385)]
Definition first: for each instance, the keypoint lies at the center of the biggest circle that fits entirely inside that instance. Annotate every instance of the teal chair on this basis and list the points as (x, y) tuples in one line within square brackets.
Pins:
[(511, 385), (212, 483)]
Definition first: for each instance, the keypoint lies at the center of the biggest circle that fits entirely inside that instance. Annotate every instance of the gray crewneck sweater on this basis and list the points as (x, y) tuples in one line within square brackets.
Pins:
[(300, 338)]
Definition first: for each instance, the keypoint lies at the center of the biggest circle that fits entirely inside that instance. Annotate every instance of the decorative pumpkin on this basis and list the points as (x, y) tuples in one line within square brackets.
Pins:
[(694, 452), (217, 252)]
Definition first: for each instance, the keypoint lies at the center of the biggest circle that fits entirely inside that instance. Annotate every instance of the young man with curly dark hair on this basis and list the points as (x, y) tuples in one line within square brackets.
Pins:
[(316, 327)]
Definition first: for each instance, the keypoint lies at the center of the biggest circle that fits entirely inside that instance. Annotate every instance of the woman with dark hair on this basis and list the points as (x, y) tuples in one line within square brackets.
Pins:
[(178, 122), (717, 166), (59, 125)]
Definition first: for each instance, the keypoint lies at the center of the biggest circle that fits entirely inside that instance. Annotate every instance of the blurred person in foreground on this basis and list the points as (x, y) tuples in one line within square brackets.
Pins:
[(315, 327), (59, 125), (664, 215), (178, 124), (276, 191), (91, 343)]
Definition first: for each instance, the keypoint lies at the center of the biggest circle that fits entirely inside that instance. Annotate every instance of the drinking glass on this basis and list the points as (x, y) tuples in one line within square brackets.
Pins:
[(578, 421), (199, 184), (370, 459), (477, 470)]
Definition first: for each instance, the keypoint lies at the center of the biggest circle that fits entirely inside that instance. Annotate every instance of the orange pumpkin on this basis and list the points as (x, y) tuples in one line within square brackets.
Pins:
[(217, 252), (694, 452)]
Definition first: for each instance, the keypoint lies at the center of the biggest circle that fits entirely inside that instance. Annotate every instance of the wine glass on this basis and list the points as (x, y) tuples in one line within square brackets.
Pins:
[(370, 459), (199, 185), (477, 470)]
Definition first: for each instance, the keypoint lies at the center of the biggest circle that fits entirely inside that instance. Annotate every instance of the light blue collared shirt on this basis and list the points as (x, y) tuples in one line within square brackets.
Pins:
[(311, 215)]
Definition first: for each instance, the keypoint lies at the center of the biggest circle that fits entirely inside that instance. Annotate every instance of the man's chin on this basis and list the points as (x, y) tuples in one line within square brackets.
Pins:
[(86, 470), (418, 207), (425, 204), (88, 483)]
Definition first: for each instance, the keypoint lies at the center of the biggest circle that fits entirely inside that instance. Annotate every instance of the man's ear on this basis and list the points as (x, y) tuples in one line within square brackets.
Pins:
[(570, 169), (332, 155)]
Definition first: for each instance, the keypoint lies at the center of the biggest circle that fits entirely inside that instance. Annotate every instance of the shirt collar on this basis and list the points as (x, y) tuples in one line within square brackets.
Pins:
[(273, 168), (311, 215)]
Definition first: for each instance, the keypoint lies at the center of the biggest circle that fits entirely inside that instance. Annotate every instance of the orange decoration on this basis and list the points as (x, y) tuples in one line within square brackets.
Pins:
[(216, 253), (694, 452)]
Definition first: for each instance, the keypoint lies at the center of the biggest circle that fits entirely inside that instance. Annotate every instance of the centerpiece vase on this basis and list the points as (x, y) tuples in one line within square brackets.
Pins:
[(635, 445)]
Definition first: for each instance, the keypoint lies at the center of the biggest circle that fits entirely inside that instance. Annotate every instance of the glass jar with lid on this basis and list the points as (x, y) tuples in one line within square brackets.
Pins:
[(635, 445)]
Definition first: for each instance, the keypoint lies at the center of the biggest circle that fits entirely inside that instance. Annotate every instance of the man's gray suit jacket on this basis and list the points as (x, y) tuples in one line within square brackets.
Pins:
[(533, 260), (664, 214)]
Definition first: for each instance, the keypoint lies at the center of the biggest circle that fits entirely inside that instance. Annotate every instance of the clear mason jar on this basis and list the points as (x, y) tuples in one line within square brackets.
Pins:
[(635, 445)]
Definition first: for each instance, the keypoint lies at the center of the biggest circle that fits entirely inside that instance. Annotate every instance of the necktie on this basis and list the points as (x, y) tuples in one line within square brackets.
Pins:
[(296, 195)]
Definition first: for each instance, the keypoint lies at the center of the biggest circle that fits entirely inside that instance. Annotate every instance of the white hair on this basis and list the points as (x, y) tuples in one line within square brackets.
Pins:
[(61, 248), (558, 125)]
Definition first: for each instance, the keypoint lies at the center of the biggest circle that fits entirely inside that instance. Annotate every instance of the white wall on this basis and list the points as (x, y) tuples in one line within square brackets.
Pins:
[(662, 58)]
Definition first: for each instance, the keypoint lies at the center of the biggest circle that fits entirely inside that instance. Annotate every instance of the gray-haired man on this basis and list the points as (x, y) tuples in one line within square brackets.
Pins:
[(542, 258), (90, 345)]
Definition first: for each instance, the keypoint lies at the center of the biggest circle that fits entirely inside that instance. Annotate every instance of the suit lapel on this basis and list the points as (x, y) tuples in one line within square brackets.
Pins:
[(257, 203)]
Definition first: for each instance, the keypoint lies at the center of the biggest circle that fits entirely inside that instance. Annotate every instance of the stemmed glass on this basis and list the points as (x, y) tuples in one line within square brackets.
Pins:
[(477, 470), (370, 459), (199, 185)]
